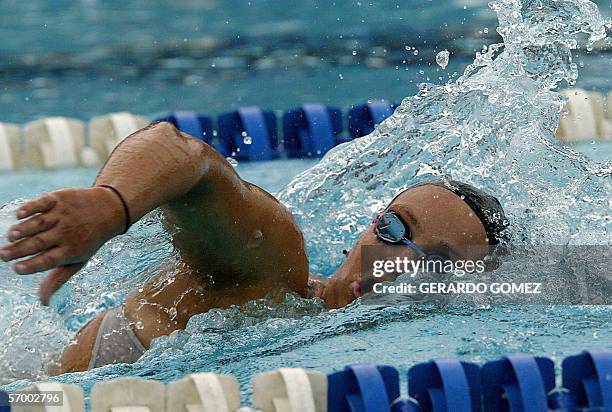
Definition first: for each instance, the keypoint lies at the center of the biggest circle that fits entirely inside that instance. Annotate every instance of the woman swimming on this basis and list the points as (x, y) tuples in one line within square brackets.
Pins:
[(235, 241)]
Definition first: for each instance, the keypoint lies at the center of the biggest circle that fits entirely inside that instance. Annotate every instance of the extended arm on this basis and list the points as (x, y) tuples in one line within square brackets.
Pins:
[(63, 229)]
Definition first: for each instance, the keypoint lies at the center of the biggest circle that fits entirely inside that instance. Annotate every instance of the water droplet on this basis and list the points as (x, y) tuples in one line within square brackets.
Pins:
[(415, 52), (442, 58), (232, 161), (486, 30), (247, 140), (354, 52)]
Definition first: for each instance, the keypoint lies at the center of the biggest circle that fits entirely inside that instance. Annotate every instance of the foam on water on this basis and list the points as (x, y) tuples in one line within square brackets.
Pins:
[(493, 127)]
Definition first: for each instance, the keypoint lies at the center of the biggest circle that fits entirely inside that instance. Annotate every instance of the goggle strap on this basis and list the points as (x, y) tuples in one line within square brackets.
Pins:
[(413, 247)]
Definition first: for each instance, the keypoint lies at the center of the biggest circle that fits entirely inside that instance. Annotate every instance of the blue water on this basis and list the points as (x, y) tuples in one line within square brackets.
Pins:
[(492, 127), (95, 57)]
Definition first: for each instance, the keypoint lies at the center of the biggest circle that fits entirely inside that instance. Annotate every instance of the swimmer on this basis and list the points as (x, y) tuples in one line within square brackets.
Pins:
[(235, 241)]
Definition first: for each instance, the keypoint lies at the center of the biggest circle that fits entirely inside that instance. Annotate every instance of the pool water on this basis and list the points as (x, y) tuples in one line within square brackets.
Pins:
[(491, 126), (148, 57), (32, 183), (261, 336)]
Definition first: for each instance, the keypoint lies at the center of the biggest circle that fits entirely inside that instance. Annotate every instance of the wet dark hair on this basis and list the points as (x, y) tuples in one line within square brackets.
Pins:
[(487, 207)]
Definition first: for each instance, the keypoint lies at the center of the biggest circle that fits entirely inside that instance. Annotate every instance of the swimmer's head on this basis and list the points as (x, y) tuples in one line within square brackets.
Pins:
[(446, 218), (484, 205)]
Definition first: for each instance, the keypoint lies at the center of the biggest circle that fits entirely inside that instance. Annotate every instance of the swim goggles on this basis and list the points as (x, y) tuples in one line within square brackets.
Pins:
[(389, 228)]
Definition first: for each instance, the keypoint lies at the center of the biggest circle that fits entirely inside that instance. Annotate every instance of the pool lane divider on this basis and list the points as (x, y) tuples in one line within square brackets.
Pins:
[(106, 132), (10, 135), (588, 379), (290, 389), (440, 383), (128, 394), (203, 392), (250, 133), (367, 388), (518, 383), (364, 118), (54, 142), (311, 130), (515, 383)]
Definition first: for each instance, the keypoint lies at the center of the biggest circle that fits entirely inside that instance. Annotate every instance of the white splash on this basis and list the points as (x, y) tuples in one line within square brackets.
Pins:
[(442, 58), (493, 127)]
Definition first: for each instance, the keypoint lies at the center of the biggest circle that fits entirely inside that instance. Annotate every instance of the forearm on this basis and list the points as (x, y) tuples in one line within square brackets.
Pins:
[(154, 166)]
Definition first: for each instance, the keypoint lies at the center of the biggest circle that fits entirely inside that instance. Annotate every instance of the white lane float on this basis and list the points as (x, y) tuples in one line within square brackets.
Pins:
[(203, 392), (603, 123), (10, 147), (106, 132), (128, 395), (606, 131), (54, 142), (579, 122), (290, 390)]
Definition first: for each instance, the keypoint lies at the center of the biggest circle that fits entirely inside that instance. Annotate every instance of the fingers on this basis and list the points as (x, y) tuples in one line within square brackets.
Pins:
[(31, 227), (55, 280), (29, 246), (41, 205), (46, 260)]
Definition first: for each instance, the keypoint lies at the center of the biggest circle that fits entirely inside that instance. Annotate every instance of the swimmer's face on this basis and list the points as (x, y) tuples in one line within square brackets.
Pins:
[(441, 223)]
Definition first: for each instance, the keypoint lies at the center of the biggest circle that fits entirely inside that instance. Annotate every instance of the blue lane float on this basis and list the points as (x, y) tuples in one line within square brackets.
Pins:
[(364, 118), (192, 123), (312, 130), (517, 383), (248, 133), (588, 380), (445, 385), (362, 388), (5, 405)]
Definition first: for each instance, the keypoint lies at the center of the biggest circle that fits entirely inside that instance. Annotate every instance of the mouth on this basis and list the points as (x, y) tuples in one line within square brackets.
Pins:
[(356, 290)]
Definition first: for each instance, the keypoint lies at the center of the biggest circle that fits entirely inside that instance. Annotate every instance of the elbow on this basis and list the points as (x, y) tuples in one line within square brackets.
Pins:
[(170, 131), (166, 128), (196, 158)]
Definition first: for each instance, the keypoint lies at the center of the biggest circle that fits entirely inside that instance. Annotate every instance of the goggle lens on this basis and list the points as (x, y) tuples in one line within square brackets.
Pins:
[(390, 228)]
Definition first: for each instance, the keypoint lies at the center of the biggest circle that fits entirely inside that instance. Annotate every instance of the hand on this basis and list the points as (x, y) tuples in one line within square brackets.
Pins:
[(62, 230)]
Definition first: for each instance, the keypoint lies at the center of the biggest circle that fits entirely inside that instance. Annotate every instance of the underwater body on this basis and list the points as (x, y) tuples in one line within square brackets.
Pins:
[(492, 127)]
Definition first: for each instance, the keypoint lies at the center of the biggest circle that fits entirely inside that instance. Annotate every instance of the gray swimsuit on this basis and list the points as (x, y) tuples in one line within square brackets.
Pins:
[(116, 341)]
